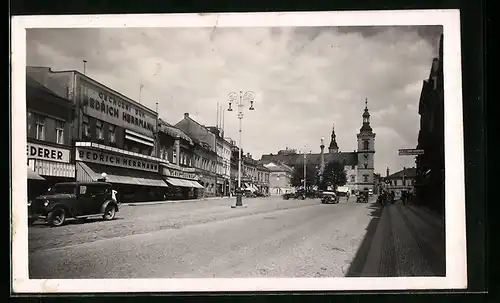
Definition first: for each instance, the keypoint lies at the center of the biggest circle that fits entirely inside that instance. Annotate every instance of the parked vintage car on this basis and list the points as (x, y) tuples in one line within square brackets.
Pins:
[(74, 200), (301, 194)]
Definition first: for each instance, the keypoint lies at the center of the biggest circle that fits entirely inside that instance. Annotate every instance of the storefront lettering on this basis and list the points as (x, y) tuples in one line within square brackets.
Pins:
[(115, 108), (178, 174), (115, 160), (38, 151)]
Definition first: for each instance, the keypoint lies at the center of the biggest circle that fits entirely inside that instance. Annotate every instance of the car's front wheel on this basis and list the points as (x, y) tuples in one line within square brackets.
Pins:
[(57, 217), (109, 212)]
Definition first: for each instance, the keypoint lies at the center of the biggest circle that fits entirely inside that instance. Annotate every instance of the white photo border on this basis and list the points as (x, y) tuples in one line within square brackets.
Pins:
[(456, 261)]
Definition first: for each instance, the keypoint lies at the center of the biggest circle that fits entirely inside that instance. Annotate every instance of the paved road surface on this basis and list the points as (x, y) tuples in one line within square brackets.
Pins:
[(270, 238)]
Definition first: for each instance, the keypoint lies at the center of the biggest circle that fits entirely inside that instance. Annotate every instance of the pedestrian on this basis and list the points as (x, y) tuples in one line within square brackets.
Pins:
[(113, 195)]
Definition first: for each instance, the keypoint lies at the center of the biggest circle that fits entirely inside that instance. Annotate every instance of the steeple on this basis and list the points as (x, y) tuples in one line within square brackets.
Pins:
[(333, 148), (366, 119)]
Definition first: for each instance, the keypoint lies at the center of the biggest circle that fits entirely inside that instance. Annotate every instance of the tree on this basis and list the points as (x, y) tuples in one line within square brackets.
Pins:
[(298, 175), (334, 175)]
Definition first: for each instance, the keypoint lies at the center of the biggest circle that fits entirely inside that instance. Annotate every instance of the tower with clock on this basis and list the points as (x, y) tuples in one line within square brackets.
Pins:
[(366, 153)]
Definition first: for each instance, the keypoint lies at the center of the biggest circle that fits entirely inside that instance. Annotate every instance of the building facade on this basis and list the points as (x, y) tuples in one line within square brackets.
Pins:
[(112, 135), (399, 182), (280, 176), (49, 118), (263, 178), (223, 150), (177, 149), (358, 165), (430, 187)]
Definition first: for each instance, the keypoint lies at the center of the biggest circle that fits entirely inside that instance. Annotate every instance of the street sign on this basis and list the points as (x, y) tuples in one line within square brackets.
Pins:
[(410, 152)]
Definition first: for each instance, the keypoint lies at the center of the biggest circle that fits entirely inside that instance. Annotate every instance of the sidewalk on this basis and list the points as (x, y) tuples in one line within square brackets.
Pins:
[(408, 241), (174, 201)]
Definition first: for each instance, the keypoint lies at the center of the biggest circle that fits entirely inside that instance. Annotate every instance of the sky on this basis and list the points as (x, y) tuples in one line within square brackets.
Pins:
[(305, 79)]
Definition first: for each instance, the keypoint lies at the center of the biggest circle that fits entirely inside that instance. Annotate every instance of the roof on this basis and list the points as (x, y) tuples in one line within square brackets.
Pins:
[(349, 158), (278, 167), (407, 172), (173, 131), (31, 83)]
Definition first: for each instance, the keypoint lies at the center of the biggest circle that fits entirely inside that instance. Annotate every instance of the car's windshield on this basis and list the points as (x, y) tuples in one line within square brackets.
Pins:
[(63, 189)]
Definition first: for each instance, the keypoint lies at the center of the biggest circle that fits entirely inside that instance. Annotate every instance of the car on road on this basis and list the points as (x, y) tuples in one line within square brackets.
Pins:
[(301, 194), (77, 200), (328, 197)]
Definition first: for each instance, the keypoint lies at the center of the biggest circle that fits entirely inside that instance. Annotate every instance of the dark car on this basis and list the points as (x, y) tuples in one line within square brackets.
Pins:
[(74, 200)]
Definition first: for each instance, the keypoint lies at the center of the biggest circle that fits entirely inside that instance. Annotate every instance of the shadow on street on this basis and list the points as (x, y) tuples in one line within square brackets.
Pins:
[(356, 267)]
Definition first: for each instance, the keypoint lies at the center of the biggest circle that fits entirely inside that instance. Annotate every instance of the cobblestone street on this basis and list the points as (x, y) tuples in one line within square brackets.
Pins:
[(270, 238)]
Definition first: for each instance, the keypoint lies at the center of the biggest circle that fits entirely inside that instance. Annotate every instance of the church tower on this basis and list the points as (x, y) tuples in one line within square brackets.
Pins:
[(333, 148), (366, 153)]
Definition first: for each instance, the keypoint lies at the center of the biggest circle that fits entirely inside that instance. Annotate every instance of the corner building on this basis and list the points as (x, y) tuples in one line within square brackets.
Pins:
[(111, 133), (49, 118)]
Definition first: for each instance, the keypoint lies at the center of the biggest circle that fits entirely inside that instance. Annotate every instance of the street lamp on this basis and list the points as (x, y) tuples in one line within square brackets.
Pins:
[(240, 99)]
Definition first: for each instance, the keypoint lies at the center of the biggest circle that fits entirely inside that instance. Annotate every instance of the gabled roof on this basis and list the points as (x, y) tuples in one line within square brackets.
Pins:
[(407, 173), (278, 167)]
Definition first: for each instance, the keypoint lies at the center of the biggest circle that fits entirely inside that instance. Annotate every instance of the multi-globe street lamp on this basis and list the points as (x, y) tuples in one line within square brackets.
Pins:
[(240, 99)]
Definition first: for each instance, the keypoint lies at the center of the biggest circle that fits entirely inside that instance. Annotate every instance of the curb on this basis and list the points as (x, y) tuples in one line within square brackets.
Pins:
[(173, 201)]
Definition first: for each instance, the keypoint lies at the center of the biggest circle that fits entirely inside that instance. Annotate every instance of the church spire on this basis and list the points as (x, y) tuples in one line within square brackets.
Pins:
[(366, 119), (333, 148)]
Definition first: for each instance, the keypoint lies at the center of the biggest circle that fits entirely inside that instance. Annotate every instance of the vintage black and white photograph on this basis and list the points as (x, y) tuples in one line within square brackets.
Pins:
[(233, 150)]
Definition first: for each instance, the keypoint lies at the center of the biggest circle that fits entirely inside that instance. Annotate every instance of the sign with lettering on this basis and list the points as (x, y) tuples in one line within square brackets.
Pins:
[(410, 152), (178, 173), (100, 104), (46, 152), (50, 168), (94, 156)]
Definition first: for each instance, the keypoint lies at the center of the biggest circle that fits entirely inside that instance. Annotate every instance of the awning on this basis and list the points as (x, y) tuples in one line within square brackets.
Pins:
[(34, 176), (178, 182), (196, 184), (121, 175)]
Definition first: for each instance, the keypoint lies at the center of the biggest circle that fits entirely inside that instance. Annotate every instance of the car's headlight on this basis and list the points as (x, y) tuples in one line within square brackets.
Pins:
[(29, 203), (46, 203)]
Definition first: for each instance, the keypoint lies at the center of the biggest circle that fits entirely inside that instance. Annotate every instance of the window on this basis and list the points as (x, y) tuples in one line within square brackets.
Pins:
[(112, 134), (353, 167), (59, 132), (366, 165), (365, 178), (174, 157), (86, 127), (190, 162), (366, 144), (353, 178), (99, 130), (40, 127)]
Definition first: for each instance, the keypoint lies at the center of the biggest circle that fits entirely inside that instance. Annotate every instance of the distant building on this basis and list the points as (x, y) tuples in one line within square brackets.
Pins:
[(280, 178), (430, 165), (401, 181), (223, 149), (359, 165)]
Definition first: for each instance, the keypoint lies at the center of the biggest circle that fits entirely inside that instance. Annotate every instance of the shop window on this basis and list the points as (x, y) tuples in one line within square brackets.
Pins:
[(40, 127), (86, 127), (59, 132), (99, 130), (112, 134)]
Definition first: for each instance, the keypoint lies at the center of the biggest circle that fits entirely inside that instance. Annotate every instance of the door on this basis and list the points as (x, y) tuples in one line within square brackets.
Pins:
[(83, 204), (98, 196)]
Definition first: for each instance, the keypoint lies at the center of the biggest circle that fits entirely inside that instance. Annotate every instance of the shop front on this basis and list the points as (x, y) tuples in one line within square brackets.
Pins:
[(209, 183), (183, 182), (47, 165), (135, 176)]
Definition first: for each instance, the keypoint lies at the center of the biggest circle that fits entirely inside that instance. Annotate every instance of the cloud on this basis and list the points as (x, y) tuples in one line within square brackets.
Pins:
[(305, 79)]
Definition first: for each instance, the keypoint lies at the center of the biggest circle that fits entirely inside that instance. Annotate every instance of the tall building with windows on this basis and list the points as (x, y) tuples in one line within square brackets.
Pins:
[(359, 164), (110, 133), (48, 124)]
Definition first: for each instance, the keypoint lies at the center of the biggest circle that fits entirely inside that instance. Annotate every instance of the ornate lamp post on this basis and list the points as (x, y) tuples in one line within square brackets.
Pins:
[(240, 98)]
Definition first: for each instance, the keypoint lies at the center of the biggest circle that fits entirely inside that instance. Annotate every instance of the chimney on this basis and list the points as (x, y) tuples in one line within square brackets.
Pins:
[(387, 172), (186, 115)]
